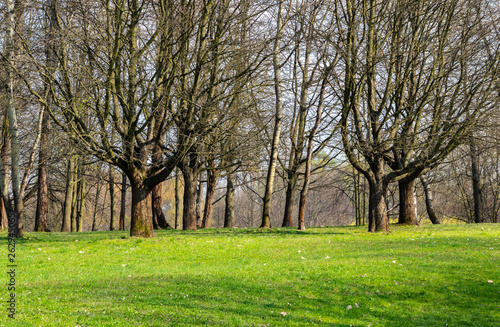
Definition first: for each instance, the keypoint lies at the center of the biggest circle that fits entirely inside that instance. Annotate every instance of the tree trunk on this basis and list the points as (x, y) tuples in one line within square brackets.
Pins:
[(81, 202), (199, 192), (42, 188), (4, 173), (177, 201), (15, 219), (141, 224), (291, 188), (112, 201), (211, 184), (3, 214), (229, 212), (75, 181), (159, 219), (476, 184), (68, 200), (123, 202), (96, 205), (266, 210), (428, 203), (189, 199), (407, 207), (309, 155), (378, 219)]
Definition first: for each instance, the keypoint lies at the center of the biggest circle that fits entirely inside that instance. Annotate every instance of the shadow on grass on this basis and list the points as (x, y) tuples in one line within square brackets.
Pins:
[(51, 237), (191, 300)]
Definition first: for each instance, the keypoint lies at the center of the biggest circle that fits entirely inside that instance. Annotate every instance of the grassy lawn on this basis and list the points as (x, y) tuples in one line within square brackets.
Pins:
[(445, 275)]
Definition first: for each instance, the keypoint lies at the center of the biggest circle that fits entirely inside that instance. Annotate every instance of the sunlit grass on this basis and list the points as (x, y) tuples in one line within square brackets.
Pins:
[(339, 276)]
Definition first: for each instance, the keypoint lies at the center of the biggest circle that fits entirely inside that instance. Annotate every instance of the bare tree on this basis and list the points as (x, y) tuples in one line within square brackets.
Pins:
[(408, 111)]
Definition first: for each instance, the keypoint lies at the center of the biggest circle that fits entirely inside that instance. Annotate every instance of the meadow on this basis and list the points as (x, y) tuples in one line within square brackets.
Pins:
[(445, 275)]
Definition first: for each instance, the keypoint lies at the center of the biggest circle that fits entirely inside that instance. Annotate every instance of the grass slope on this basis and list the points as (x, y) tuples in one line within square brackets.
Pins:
[(339, 276)]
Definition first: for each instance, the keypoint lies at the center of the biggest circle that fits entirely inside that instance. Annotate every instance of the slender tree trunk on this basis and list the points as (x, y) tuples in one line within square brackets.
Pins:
[(303, 197), (189, 200), (81, 202), (42, 187), (177, 178), (291, 188), (476, 184), (4, 173), (112, 201), (199, 193), (309, 155), (3, 213), (407, 207), (68, 200), (15, 219), (96, 205), (229, 212), (428, 203), (266, 211), (43, 155), (123, 203), (364, 201), (74, 206), (211, 184)]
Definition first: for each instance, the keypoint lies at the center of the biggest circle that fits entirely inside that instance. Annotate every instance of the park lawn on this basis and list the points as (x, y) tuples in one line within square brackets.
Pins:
[(446, 275)]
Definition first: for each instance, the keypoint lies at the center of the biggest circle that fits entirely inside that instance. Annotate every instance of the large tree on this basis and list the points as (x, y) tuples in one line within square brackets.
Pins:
[(417, 75)]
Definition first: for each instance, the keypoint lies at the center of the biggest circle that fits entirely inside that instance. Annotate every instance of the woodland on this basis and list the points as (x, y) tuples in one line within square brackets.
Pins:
[(142, 115)]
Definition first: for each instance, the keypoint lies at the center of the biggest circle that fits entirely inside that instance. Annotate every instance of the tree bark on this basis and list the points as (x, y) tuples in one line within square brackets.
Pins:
[(407, 208), (428, 203), (476, 184), (189, 199), (159, 219), (290, 198), (15, 217), (141, 224), (199, 192), (123, 202), (42, 187), (211, 184), (377, 217), (112, 201), (4, 171), (74, 200), (81, 202), (229, 212), (96, 205), (3, 213), (177, 201), (68, 200), (43, 154)]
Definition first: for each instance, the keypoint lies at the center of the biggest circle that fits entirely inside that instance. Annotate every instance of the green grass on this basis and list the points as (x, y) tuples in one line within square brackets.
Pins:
[(414, 276)]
